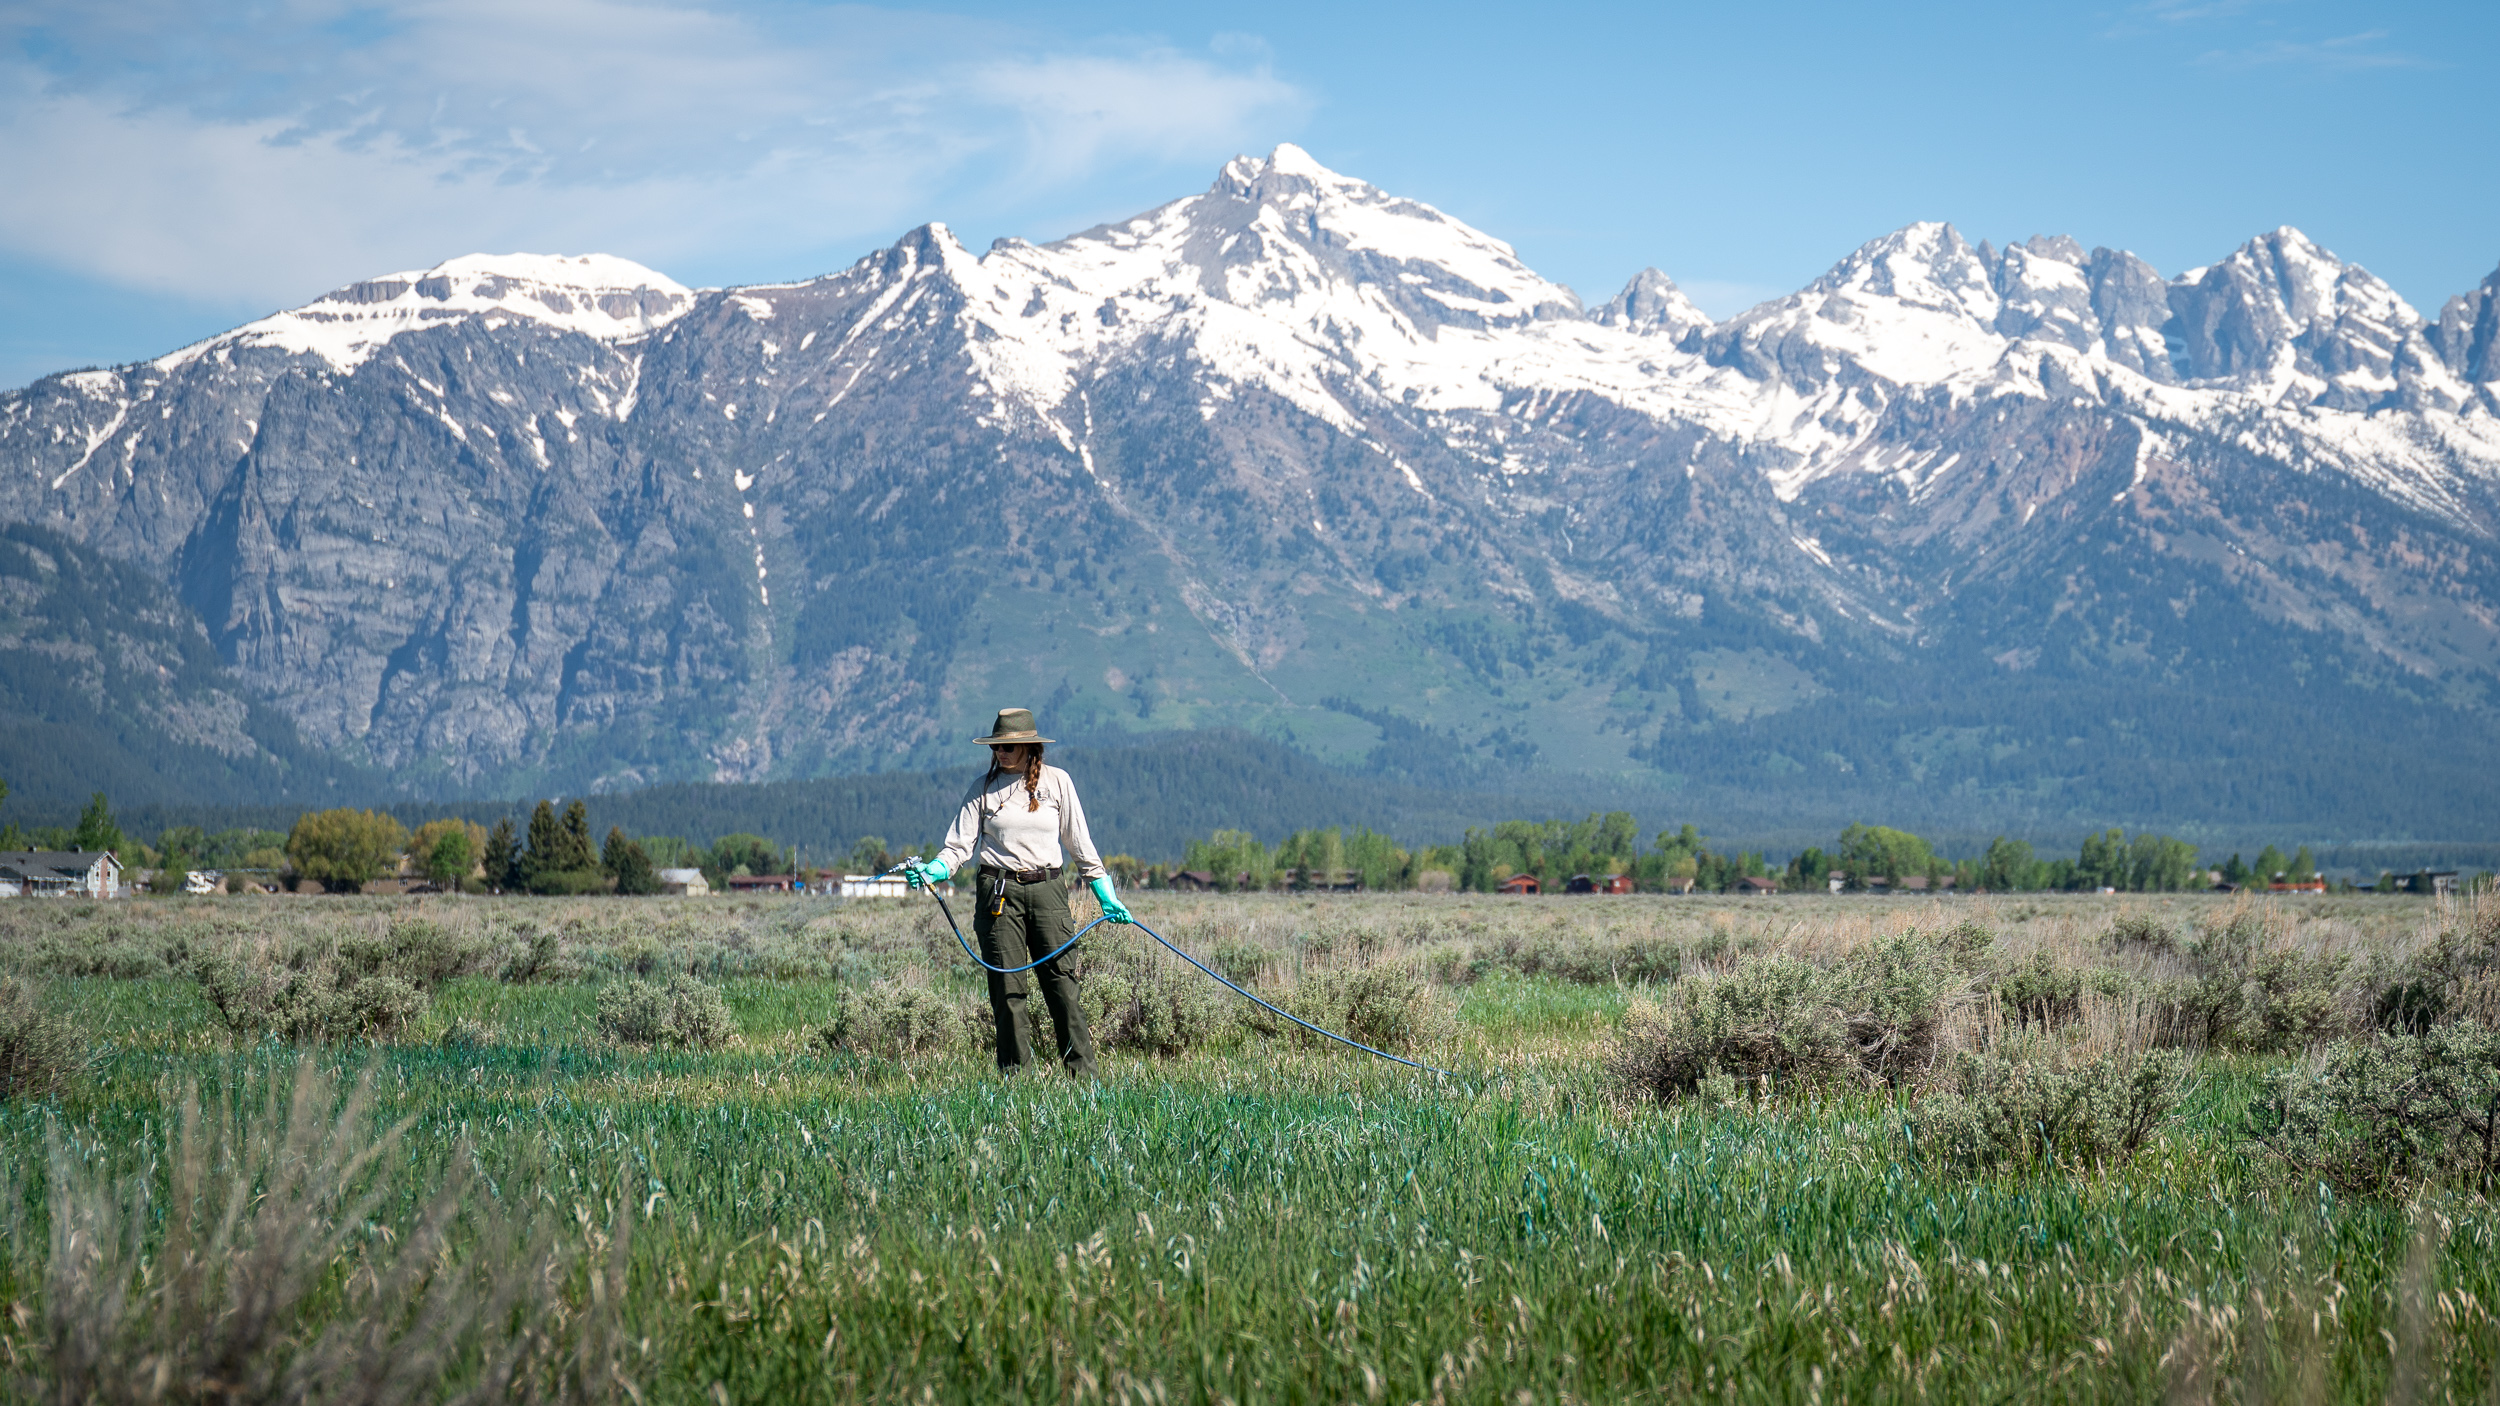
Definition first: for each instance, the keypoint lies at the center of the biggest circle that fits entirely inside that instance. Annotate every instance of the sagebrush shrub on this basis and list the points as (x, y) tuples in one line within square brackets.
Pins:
[(2041, 1111), (1581, 959), (259, 1275), (2381, 1116), (2040, 991), (1241, 960), (682, 1014), (2136, 932), (1895, 992), (1389, 1006), (2456, 977), (1772, 1016), (423, 953), (2248, 993), (1135, 1002), (892, 1020), (308, 998), (1878, 1017), (41, 1052), (534, 959)]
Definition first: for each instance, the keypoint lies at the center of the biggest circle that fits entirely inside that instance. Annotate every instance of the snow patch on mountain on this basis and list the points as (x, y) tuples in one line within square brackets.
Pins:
[(597, 295)]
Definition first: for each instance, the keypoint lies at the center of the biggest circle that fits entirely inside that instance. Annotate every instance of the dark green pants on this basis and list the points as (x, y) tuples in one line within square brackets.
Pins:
[(1016, 923)]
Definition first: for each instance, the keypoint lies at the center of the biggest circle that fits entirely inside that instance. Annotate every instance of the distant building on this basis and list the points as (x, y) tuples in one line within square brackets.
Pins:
[(1519, 883), (689, 882), (1192, 881), (1579, 883), (1757, 884), (761, 883), (60, 873), (1615, 883), (875, 886), (2284, 886)]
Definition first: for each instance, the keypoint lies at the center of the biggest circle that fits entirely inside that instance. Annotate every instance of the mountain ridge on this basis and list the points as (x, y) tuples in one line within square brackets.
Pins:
[(1292, 439)]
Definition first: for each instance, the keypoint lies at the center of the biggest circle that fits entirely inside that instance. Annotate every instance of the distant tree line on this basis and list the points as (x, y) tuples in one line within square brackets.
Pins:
[(344, 849), (1862, 858)]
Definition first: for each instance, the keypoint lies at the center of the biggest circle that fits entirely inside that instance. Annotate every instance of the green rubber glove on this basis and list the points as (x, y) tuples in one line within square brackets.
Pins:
[(1112, 908), (917, 872)]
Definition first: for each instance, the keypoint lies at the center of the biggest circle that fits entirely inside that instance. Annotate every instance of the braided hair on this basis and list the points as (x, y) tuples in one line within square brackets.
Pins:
[(1032, 772)]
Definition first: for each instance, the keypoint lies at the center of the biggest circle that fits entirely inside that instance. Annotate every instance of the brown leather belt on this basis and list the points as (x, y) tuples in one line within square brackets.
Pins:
[(1022, 876)]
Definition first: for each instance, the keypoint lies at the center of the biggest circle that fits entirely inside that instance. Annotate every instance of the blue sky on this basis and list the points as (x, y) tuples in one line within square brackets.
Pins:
[(173, 168)]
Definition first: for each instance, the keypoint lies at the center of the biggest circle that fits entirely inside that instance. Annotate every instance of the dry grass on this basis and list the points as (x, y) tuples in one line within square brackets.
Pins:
[(249, 1271)]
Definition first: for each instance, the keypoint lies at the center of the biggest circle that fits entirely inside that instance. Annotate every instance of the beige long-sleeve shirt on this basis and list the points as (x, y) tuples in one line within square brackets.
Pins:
[(995, 828)]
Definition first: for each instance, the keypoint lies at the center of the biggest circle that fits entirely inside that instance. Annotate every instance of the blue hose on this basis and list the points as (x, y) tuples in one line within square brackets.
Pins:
[(1177, 952)]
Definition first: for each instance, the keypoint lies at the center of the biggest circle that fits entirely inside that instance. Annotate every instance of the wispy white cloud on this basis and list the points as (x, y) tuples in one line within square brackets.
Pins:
[(309, 142), (2344, 53), (2188, 11), (2251, 35)]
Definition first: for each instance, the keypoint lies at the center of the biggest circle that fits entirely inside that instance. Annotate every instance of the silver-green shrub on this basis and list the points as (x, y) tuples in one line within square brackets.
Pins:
[(1878, 1017), (2382, 1116), (1133, 1001), (891, 1020), (2015, 1112), (309, 999), (1773, 1016), (682, 1014)]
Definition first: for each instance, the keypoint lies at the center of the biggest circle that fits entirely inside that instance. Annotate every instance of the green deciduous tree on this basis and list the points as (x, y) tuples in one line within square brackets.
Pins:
[(1879, 851), (450, 858), (342, 850), (869, 855), (2008, 865), (2269, 867), (1234, 857), (743, 854)]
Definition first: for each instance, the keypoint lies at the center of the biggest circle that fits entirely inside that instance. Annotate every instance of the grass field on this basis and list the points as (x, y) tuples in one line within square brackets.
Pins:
[(1253, 1219)]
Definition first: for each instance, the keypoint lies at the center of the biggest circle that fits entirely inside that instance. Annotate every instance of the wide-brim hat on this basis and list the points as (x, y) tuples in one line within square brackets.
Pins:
[(1014, 726)]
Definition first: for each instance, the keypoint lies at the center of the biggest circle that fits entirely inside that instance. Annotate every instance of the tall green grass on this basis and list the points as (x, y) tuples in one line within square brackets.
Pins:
[(1288, 1224)]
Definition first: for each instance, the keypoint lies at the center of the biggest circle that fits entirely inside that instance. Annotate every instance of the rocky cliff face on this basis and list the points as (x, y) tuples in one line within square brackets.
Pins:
[(1297, 454)]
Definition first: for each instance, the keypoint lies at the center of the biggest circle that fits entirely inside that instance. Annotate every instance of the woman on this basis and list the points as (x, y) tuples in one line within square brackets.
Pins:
[(1021, 823)]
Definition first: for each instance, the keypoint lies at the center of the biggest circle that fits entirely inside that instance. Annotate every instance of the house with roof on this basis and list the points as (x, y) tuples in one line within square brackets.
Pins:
[(60, 873), (1519, 883), (688, 883)]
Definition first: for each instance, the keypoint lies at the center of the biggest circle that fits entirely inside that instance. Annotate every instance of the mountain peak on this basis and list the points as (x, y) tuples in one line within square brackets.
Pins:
[(1651, 304), (597, 295), (2283, 312), (1290, 160)]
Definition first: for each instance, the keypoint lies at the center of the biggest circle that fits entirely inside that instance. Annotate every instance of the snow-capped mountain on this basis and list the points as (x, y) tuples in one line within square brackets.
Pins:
[(1297, 452), (599, 296)]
